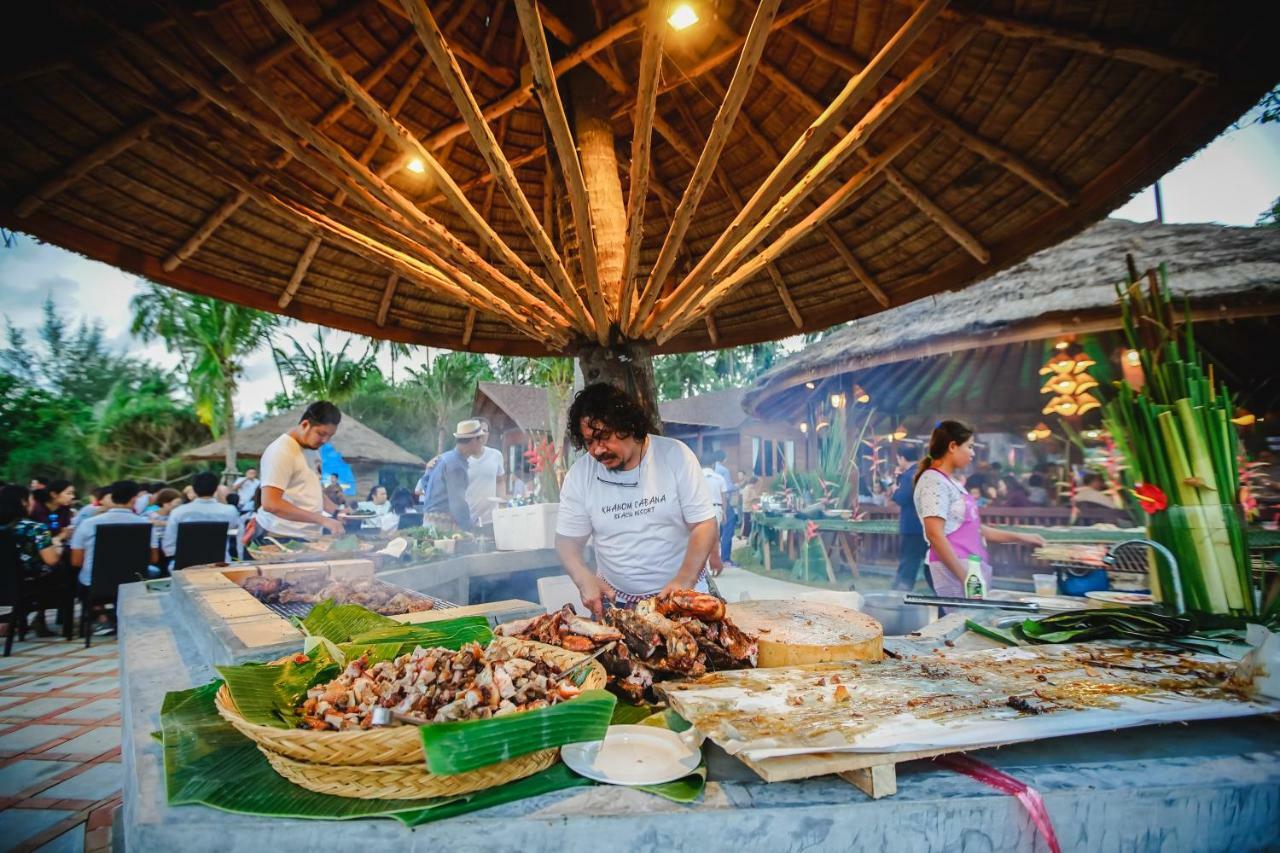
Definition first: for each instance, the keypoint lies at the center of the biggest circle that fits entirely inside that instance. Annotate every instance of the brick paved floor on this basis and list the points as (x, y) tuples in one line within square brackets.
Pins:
[(60, 774)]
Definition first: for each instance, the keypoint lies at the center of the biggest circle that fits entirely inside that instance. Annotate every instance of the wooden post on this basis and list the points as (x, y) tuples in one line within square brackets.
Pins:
[(627, 365), (593, 129)]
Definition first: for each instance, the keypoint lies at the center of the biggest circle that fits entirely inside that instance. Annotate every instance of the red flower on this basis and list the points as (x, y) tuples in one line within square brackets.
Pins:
[(1150, 498)]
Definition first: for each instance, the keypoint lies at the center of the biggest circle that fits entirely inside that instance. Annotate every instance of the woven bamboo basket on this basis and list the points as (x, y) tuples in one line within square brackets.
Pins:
[(404, 781), (344, 763)]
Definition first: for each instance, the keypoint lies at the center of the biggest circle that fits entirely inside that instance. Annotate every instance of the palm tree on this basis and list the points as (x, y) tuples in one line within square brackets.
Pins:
[(683, 374), (449, 385), (322, 373), (214, 338)]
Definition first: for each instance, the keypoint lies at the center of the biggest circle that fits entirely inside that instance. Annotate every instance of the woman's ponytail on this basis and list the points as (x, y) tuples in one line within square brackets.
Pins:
[(944, 435)]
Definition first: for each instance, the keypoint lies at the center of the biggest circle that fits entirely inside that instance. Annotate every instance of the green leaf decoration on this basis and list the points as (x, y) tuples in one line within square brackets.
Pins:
[(207, 762), (341, 622), (267, 695), (991, 633), (453, 748), (626, 714)]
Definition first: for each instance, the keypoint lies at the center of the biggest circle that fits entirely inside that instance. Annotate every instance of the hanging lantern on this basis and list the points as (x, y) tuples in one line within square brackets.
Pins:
[(899, 433), (1244, 418), (860, 395), (1068, 381)]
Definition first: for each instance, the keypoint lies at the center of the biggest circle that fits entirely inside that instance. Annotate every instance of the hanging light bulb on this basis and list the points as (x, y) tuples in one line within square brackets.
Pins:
[(416, 166), (837, 400), (810, 385), (1133, 357), (804, 426), (1031, 435), (682, 17)]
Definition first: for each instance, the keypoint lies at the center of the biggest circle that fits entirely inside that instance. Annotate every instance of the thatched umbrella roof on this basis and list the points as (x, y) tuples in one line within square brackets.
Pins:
[(257, 151), (357, 443), (983, 345)]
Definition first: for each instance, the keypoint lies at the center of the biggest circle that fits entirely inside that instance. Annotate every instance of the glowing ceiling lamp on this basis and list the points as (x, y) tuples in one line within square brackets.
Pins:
[(860, 395), (1132, 357), (682, 17), (899, 433), (416, 166), (837, 400), (810, 385), (804, 427)]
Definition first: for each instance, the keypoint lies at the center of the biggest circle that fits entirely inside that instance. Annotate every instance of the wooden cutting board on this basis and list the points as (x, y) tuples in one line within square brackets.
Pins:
[(797, 632)]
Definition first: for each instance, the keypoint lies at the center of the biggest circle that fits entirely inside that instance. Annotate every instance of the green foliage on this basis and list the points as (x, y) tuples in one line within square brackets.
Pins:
[(448, 385), (690, 373), (214, 339), (72, 408), (320, 372)]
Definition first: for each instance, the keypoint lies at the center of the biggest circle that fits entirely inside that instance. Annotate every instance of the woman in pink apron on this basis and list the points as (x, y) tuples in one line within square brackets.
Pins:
[(949, 513)]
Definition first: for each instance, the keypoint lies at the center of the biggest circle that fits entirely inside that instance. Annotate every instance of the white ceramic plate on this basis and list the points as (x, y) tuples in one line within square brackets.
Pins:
[(633, 755), (1136, 599)]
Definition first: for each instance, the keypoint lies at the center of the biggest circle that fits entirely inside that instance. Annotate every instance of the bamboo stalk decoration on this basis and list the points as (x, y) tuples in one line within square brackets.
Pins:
[(1179, 447)]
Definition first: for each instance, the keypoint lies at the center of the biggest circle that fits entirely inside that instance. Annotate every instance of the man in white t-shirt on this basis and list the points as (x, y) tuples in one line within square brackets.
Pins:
[(293, 503), (641, 497), (245, 488), (485, 474)]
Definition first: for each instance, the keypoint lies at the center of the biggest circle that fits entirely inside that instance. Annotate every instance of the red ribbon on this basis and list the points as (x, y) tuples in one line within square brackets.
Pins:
[(1028, 796)]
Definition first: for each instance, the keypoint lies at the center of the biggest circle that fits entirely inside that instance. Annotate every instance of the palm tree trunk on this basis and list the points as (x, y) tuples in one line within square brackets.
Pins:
[(229, 429)]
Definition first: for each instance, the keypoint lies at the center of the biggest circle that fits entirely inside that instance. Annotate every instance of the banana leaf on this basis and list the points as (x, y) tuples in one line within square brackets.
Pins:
[(340, 622), (267, 695), (449, 634), (453, 748), (207, 762)]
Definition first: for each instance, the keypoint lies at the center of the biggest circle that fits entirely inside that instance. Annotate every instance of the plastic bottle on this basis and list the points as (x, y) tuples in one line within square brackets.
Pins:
[(975, 585)]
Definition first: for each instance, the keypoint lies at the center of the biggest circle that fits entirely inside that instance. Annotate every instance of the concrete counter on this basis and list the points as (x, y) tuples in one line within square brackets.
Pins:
[(1206, 786)]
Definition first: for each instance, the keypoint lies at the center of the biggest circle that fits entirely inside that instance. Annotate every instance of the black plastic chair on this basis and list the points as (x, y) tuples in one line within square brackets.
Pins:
[(409, 520), (12, 588), (121, 554), (200, 543)]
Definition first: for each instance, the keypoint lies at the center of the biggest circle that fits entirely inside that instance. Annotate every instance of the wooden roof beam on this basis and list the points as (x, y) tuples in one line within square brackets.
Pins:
[(334, 162), (996, 154), (468, 327), (833, 239), (1081, 41), (87, 162), (490, 148), (641, 150), (851, 261), (388, 293), (340, 197), (225, 211), (521, 95), (433, 277), (735, 198), (783, 203), (752, 50), (793, 235), (544, 77), (410, 144), (476, 60), (905, 185), (811, 142), (193, 243)]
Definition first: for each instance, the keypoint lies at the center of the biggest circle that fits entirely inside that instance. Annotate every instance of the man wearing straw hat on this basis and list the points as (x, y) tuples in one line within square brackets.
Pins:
[(446, 499)]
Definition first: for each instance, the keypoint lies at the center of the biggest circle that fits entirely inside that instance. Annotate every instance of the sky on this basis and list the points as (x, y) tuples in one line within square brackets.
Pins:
[(1231, 181)]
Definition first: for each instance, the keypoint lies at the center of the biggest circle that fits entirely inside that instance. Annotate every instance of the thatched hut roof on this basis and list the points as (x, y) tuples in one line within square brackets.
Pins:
[(257, 152), (357, 443), (717, 409), (524, 405), (996, 330)]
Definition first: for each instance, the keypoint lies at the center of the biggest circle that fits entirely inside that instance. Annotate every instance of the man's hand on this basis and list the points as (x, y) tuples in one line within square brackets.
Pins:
[(1033, 539), (593, 592), (716, 565), (334, 526)]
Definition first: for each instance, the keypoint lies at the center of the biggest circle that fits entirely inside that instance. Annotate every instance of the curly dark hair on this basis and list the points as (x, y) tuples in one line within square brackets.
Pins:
[(607, 407)]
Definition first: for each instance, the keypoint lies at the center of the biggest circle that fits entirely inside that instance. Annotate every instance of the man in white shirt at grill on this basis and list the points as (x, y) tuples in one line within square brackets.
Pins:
[(485, 475), (643, 499), (293, 503)]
